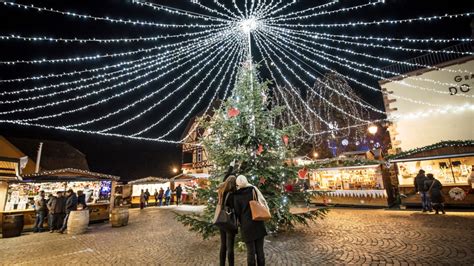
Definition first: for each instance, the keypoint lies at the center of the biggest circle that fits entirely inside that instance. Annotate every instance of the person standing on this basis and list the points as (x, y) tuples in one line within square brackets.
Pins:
[(142, 199), (40, 209), (226, 199), (59, 210), (81, 199), (433, 187), (167, 196), (420, 188), (194, 196), (161, 194), (51, 205), (71, 205), (179, 191), (156, 197), (147, 197), (253, 232)]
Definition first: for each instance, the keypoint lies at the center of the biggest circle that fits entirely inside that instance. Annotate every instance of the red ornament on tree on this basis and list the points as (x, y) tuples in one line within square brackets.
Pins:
[(302, 173), (260, 149), (285, 139), (233, 112)]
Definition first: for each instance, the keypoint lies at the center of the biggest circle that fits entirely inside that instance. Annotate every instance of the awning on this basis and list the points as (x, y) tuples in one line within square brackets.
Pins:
[(444, 156), (149, 180), (188, 177), (9, 169), (68, 175), (347, 167)]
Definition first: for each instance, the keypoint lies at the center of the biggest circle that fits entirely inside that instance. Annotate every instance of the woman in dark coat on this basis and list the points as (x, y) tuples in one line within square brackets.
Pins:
[(433, 186), (253, 232), (225, 198)]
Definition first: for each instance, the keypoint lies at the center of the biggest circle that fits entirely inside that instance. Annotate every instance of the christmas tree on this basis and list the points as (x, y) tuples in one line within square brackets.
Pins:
[(243, 129)]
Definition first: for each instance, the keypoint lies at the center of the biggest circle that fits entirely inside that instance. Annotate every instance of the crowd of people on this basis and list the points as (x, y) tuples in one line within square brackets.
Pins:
[(57, 209), (163, 195), (430, 192)]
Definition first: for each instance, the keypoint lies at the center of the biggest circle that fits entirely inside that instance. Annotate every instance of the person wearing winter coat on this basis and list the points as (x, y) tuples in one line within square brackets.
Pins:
[(51, 205), (142, 200), (179, 191), (167, 196), (225, 198), (252, 232), (420, 188), (433, 186), (40, 209), (161, 194), (59, 210), (81, 199), (147, 197), (71, 205)]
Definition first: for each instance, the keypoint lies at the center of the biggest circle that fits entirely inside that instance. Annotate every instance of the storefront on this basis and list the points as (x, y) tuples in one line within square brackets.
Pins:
[(151, 184), (450, 163), (20, 194), (358, 185)]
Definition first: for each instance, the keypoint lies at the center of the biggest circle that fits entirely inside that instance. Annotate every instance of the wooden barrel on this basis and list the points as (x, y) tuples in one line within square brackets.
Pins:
[(12, 225), (77, 222), (119, 217)]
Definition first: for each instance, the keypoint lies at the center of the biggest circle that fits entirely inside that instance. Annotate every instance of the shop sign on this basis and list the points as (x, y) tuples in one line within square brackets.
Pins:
[(462, 86), (457, 193)]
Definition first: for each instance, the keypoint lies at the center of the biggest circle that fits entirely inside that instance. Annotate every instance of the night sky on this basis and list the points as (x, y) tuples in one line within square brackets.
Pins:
[(134, 158)]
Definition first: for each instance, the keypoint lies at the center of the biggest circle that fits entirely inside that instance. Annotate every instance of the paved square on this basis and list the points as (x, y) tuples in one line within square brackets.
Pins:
[(346, 236)]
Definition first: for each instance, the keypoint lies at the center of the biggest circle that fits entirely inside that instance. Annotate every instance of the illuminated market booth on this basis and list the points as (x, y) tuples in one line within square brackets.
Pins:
[(357, 182), (189, 182), (98, 189), (151, 183), (450, 162)]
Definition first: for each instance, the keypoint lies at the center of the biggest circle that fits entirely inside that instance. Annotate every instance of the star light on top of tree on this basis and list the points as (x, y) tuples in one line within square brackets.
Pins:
[(187, 65)]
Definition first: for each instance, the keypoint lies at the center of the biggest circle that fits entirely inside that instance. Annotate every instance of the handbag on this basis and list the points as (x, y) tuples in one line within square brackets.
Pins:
[(226, 220), (259, 211)]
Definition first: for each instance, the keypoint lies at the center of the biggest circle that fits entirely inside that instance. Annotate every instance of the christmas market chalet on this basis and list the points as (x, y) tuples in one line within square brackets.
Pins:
[(434, 131), (29, 166)]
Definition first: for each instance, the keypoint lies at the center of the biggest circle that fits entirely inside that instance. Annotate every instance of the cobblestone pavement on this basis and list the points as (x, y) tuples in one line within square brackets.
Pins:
[(346, 236)]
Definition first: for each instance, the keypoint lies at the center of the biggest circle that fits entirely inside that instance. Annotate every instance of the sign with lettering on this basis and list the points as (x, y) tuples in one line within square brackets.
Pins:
[(434, 106)]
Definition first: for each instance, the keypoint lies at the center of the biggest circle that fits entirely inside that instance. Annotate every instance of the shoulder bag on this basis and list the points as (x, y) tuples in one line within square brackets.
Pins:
[(259, 211), (226, 219)]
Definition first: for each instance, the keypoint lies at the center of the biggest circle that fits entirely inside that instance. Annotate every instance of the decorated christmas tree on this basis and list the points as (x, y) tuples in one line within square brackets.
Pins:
[(243, 129)]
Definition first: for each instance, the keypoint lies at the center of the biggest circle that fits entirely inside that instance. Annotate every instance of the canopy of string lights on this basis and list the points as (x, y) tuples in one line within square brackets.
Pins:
[(193, 60)]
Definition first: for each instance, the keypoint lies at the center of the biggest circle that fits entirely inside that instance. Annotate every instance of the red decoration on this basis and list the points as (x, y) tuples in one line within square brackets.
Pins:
[(302, 173), (260, 149), (233, 112), (285, 139)]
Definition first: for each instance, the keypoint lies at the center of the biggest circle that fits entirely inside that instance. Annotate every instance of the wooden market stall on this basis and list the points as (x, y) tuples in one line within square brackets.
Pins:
[(451, 162), (189, 183), (19, 195), (351, 182), (151, 184)]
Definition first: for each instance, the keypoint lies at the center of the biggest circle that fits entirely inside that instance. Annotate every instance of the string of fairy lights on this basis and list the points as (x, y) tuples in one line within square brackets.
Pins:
[(149, 85)]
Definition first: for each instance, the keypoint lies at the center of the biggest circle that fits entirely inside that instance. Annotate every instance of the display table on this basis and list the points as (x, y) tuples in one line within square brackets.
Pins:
[(454, 194), (368, 197)]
